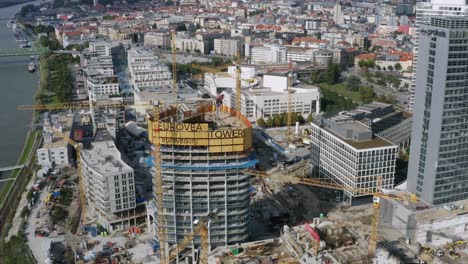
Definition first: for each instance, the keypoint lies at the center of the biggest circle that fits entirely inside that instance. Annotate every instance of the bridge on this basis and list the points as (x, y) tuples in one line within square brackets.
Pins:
[(9, 168), (23, 52)]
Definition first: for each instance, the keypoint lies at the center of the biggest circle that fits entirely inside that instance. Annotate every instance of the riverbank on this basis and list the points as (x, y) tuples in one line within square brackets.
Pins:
[(28, 147)]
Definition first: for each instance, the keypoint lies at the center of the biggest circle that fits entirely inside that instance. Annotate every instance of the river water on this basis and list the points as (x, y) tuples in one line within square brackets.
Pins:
[(17, 86)]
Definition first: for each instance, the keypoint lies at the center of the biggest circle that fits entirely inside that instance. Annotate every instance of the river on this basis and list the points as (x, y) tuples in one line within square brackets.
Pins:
[(18, 86)]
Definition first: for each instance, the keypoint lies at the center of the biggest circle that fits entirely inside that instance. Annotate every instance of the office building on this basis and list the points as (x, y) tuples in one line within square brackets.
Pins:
[(108, 183), (424, 11), (101, 85), (438, 171), (350, 154), (202, 162)]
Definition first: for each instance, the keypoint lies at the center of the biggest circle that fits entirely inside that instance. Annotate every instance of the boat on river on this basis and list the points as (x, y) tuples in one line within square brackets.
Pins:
[(31, 67)]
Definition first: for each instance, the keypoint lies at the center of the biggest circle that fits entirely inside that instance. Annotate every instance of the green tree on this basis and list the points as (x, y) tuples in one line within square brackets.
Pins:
[(332, 73), (315, 77), (378, 67), (353, 83), (398, 66), (390, 67), (366, 94), (44, 41), (310, 118), (181, 27), (261, 122)]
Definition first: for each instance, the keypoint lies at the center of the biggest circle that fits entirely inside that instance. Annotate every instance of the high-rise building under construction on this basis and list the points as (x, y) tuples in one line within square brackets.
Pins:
[(202, 159)]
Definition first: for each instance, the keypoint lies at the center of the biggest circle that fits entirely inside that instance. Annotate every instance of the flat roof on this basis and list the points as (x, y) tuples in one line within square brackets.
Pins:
[(103, 156), (376, 142)]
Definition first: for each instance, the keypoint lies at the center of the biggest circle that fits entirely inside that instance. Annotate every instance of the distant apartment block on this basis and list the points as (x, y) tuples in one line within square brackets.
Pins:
[(229, 46), (160, 39), (102, 85), (146, 70), (265, 53), (102, 48)]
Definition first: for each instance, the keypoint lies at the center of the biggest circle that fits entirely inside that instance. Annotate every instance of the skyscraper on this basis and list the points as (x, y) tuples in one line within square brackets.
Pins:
[(438, 171), (424, 10)]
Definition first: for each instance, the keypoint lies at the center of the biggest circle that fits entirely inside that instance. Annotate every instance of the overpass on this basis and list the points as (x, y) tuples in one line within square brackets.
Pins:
[(23, 52), (9, 168)]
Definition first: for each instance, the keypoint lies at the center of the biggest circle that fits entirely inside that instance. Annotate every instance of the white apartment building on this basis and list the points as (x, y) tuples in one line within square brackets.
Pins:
[(146, 70), (101, 48), (189, 44), (159, 39), (229, 46), (347, 152), (299, 54), (108, 183), (56, 132), (101, 85), (266, 53)]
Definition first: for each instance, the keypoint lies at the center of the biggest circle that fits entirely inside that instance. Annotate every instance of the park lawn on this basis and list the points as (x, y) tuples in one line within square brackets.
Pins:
[(340, 89)]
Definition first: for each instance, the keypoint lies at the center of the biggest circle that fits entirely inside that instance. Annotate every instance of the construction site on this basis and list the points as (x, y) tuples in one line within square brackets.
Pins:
[(195, 181)]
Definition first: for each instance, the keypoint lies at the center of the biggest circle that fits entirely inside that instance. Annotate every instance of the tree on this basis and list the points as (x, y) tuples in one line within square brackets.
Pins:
[(315, 77), (44, 41), (353, 83), (181, 27), (398, 66), (261, 122), (390, 67), (332, 73), (366, 94), (378, 67), (310, 118), (384, 68), (406, 85), (376, 48)]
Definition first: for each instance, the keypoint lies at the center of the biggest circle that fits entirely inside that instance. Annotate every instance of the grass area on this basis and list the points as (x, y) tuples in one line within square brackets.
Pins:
[(15, 251), (56, 80), (23, 158), (340, 89)]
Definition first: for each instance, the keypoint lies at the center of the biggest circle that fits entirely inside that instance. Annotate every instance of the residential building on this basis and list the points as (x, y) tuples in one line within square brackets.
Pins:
[(54, 150), (350, 154), (338, 14), (158, 38), (229, 46), (191, 44), (266, 53), (146, 70), (424, 11), (438, 171), (108, 183), (102, 48), (101, 85)]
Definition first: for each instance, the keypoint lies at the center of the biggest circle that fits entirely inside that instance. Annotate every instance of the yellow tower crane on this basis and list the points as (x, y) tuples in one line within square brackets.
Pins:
[(238, 101), (174, 64), (238, 84), (375, 191), (201, 228)]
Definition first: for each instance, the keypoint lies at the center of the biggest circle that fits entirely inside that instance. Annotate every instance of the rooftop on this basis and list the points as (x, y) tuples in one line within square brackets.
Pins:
[(103, 156)]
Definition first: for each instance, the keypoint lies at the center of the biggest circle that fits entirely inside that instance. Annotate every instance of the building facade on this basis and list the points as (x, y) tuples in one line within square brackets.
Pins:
[(101, 85), (202, 165), (266, 53), (348, 153), (438, 171), (146, 70), (424, 11), (108, 182), (228, 46), (160, 39)]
